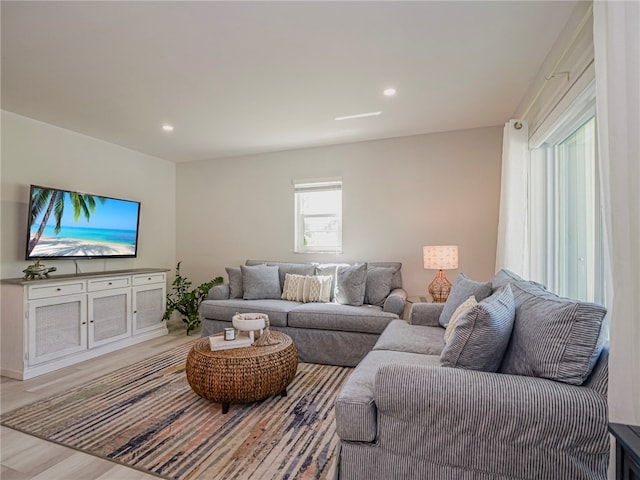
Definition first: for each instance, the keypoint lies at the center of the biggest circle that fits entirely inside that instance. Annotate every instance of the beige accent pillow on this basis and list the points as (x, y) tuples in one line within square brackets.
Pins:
[(307, 288), (463, 308)]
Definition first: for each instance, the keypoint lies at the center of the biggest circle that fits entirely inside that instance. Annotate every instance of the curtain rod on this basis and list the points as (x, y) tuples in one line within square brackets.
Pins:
[(554, 74)]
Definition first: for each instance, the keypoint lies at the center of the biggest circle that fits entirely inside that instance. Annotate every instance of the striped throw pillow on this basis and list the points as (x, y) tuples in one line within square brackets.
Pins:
[(481, 335), (460, 311)]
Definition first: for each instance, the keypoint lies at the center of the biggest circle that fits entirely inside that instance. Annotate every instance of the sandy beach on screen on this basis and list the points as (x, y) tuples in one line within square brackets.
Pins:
[(48, 246)]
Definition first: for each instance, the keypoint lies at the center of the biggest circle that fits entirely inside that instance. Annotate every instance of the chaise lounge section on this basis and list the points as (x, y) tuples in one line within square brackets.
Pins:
[(538, 412)]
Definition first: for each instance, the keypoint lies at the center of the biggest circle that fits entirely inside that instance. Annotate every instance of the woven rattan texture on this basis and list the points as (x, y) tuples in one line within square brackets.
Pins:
[(242, 375)]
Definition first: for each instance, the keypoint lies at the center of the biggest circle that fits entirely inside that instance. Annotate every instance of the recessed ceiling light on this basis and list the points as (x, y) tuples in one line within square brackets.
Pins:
[(167, 128), (359, 115), (389, 92)]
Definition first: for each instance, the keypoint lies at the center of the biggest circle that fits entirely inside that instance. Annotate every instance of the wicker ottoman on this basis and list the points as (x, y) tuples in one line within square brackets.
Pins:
[(242, 375)]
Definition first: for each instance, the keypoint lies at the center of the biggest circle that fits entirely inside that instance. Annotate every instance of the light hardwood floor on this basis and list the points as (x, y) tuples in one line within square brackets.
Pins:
[(26, 457)]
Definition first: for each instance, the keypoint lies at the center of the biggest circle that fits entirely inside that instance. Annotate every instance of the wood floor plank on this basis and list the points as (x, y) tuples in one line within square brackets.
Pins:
[(25, 457), (78, 466)]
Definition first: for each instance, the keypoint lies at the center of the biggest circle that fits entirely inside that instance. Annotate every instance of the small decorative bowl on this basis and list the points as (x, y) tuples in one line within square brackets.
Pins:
[(249, 322)]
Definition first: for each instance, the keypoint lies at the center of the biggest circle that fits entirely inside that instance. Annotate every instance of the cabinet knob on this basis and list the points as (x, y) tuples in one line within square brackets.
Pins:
[(90, 321), (110, 283), (84, 323), (58, 289), (149, 278)]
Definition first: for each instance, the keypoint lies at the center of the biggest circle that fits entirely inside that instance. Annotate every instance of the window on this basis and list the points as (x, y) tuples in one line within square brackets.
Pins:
[(565, 219), (318, 215)]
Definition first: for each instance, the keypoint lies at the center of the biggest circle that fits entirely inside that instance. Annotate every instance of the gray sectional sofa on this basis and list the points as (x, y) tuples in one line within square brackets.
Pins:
[(339, 331), (518, 391)]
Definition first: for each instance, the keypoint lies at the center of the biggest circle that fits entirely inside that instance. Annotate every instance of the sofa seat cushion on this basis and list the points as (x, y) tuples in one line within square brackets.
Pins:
[(355, 408), (277, 310), (404, 337), (347, 318)]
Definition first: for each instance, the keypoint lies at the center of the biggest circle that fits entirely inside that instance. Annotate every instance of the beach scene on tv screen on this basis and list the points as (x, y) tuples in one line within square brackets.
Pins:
[(69, 224)]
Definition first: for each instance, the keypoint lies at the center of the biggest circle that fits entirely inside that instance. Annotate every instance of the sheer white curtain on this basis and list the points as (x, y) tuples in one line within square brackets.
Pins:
[(617, 61), (512, 221)]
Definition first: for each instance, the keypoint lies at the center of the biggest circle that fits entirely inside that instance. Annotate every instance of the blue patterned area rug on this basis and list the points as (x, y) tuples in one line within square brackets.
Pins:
[(146, 417)]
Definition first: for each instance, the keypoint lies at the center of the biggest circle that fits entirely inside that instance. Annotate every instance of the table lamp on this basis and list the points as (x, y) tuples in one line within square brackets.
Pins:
[(440, 257)]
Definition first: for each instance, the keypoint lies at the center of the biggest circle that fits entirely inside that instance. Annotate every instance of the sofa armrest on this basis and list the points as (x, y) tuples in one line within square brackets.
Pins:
[(501, 424), (219, 292), (395, 302), (426, 314)]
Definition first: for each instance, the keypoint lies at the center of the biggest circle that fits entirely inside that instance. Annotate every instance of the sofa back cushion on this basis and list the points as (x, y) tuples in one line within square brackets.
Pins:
[(553, 337), (260, 281), (462, 288), (235, 282), (351, 282), (286, 267), (481, 335), (325, 269), (396, 279), (378, 285), (504, 276)]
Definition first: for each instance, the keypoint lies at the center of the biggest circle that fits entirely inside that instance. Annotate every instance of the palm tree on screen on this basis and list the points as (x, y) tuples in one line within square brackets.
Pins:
[(53, 200)]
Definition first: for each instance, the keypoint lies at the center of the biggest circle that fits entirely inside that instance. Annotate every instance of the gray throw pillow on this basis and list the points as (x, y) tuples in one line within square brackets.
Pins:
[(351, 282), (553, 337), (378, 285), (235, 282), (481, 336), (324, 269), (294, 269), (462, 288), (260, 281)]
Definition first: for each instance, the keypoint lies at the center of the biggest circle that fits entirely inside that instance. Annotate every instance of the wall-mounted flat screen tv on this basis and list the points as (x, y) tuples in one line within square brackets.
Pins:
[(75, 225)]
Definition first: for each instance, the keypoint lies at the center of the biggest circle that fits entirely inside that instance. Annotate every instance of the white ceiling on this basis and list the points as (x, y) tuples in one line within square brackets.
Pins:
[(239, 77)]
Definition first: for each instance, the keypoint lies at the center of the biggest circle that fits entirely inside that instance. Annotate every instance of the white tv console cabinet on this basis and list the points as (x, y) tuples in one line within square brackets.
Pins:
[(58, 321)]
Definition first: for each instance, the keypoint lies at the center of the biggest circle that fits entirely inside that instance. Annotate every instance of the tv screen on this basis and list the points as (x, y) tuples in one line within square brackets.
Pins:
[(66, 224)]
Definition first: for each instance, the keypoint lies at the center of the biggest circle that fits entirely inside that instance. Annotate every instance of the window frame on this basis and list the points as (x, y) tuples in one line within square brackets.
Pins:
[(543, 226), (300, 187)]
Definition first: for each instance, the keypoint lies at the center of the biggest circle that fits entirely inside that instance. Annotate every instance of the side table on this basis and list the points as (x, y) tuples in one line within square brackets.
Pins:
[(627, 450)]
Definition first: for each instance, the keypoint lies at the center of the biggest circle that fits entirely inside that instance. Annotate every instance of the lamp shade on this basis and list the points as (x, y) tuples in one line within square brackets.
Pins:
[(440, 257)]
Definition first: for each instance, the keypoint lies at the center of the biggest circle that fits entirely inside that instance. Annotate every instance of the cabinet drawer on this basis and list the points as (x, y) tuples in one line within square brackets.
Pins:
[(107, 283), (149, 278), (55, 290)]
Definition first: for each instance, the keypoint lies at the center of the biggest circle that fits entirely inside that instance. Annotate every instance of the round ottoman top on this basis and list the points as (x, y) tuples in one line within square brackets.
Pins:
[(202, 347)]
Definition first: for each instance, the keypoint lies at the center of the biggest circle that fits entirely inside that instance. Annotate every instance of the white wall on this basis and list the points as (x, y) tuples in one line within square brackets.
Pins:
[(37, 153), (398, 195)]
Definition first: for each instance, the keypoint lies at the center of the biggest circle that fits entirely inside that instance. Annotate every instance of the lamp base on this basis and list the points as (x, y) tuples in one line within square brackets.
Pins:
[(440, 288)]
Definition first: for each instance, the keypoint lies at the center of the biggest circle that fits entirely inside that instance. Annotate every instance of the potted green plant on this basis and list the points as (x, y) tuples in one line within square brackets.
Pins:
[(186, 300)]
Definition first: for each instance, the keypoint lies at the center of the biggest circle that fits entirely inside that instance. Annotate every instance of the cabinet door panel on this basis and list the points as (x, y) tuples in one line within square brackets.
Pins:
[(148, 308), (57, 327), (109, 316)]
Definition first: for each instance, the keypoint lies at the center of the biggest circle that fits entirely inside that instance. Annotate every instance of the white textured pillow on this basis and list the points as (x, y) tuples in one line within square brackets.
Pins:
[(463, 308), (307, 288)]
